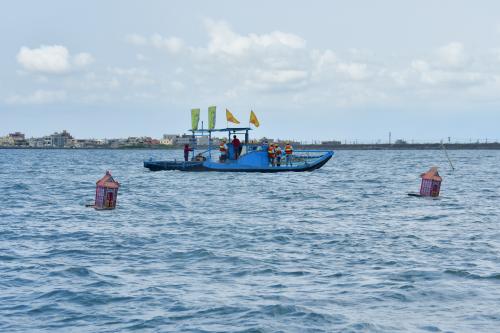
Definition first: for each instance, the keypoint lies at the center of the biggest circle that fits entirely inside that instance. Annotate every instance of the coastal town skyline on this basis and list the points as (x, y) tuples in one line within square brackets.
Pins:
[(352, 71), (64, 139)]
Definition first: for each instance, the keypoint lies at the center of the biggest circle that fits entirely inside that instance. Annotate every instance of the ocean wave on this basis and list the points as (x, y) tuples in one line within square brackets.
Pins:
[(86, 298), (340, 250), (469, 275)]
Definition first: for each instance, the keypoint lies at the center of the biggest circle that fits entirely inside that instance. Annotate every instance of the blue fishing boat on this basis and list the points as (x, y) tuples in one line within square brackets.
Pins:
[(249, 158)]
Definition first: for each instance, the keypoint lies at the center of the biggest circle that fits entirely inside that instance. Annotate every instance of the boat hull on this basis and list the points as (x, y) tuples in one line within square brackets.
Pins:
[(234, 167)]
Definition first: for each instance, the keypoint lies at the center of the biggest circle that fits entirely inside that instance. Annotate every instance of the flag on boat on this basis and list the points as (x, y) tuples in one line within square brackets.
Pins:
[(211, 117), (231, 118), (253, 119), (195, 118)]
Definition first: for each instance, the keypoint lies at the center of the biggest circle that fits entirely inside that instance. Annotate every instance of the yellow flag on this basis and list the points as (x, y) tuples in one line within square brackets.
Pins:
[(253, 119), (231, 118)]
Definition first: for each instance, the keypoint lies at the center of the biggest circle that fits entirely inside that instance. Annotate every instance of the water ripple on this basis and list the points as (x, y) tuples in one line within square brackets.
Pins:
[(343, 249)]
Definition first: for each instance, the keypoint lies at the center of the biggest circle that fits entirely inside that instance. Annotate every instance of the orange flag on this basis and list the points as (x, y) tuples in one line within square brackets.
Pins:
[(253, 119), (231, 118)]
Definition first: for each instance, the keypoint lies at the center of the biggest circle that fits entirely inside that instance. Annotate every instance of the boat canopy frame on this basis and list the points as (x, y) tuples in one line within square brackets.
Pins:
[(208, 132)]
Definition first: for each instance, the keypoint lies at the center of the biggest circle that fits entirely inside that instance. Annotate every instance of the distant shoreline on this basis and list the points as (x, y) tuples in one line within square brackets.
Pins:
[(408, 146)]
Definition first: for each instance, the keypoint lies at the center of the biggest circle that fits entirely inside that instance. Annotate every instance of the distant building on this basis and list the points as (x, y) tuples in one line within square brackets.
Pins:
[(18, 139), (115, 143), (59, 140), (169, 139), (6, 141), (332, 142), (202, 140), (132, 140), (283, 142), (36, 142), (185, 140)]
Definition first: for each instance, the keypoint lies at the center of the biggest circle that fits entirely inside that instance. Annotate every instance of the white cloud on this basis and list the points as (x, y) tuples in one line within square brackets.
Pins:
[(47, 59), (323, 60), (224, 40), (136, 39), (38, 97), (131, 71), (141, 57), (235, 65), (171, 44), (327, 62), (177, 85), (136, 76), (449, 68), (92, 81), (280, 76), (400, 78), (420, 65), (496, 53), (54, 59), (354, 71), (83, 59), (452, 54), (449, 78)]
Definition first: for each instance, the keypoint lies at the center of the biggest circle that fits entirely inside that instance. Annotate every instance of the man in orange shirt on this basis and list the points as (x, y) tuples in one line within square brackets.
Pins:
[(288, 153), (271, 154)]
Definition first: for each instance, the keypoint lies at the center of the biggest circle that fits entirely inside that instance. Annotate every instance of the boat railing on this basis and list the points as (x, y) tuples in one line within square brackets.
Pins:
[(299, 157), (307, 156)]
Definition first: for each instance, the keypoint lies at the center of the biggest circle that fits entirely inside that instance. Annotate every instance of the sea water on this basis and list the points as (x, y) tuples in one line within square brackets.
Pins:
[(343, 248)]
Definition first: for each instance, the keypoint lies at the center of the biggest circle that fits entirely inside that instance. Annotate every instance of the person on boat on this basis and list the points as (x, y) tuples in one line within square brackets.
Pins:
[(223, 150), (187, 149), (288, 153), (263, 146), (271, 154), (278, 153), (200, 158), (236, 146)]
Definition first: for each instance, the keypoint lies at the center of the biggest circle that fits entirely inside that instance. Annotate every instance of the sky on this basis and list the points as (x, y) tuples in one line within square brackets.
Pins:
[(310, 70)]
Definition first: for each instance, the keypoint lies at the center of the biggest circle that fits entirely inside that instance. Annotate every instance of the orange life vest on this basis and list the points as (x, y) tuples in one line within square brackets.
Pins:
[(288, 150), (222, 148), (278, 151), (270, 152)]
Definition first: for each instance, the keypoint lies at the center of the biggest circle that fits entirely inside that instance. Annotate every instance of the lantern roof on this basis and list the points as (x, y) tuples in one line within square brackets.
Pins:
[(432, 174), (108, 181)]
